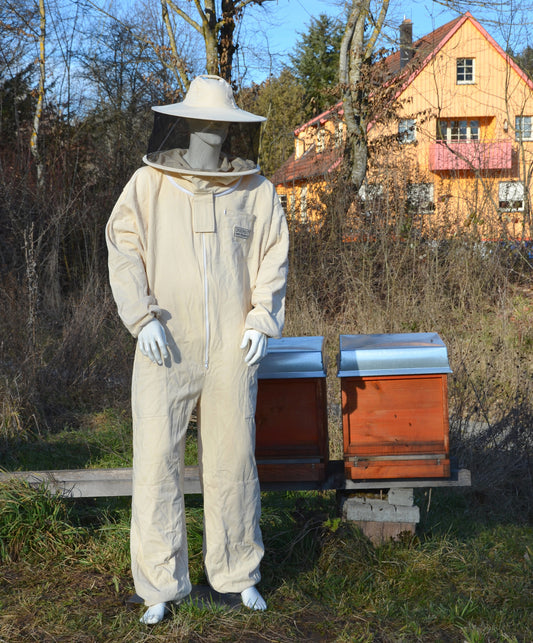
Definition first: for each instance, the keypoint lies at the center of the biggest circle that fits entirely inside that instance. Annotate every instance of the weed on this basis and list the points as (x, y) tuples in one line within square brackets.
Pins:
[(34, 522)]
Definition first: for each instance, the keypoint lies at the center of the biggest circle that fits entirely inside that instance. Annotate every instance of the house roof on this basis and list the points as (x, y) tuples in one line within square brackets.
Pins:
[(423, 50), (428, 46), (310, 164)]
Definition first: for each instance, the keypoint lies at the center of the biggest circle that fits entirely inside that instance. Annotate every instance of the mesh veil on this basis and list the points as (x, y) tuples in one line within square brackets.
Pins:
[(172, 132)]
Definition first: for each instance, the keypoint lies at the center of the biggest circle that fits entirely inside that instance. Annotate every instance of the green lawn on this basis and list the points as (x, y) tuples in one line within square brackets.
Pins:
[(467, 575)]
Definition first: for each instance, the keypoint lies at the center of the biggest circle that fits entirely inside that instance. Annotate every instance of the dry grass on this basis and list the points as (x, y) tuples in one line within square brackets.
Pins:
[(466, 576)]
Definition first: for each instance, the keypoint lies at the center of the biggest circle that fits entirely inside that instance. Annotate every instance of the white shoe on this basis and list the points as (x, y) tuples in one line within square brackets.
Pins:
[(252, 598), (154, 614)]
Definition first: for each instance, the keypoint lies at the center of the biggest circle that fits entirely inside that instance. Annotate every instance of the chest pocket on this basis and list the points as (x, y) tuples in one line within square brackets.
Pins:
[(238, 231)]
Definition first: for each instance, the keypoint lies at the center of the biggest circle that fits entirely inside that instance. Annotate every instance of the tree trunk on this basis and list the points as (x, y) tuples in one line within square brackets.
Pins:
[(226, 48), (354, 54), (34, 138), (209, 30)]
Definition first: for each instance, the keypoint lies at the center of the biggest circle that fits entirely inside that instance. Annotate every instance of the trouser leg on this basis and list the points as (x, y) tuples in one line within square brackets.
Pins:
[(158, 540), (233, 546)]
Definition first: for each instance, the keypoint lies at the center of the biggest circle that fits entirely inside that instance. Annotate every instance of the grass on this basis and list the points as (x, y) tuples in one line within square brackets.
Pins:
[(466, 574)]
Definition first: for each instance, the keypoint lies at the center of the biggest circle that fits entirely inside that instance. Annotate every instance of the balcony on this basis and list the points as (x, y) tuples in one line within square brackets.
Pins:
[(470, 155)]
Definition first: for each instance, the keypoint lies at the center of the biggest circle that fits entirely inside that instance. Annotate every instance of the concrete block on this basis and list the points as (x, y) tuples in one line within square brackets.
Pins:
[(374, 510), (402, 497)]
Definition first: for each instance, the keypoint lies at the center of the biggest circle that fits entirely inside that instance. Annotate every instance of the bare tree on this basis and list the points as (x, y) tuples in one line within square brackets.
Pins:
[(34, 139), (216, 28), (215, 22), (355, 54)]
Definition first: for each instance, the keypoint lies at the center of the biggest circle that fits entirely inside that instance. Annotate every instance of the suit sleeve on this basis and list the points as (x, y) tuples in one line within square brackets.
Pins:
[(268, 296), (126, 243)]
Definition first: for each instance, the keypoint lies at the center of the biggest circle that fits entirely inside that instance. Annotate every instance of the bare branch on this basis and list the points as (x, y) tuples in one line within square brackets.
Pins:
[(178, 69), (377, 28), (185, 16)]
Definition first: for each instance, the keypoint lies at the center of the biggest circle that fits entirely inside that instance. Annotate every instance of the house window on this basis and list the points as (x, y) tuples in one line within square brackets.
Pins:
[(370, 191), (303, 205), (511, 196), (371, 195), (407, 131), (292, 205), (420, 197), (453, 131), (523, 131), (339, 134), (283, 201), (320, 140), (465, 71)]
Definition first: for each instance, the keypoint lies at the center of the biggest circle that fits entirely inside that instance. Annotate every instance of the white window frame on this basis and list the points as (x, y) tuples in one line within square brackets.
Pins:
[(458, 130), (339, 134), (320, 140), (523, 128), (511, 196), (462, 67), (370, 191), (407, 131), (419, 202), (283, 201), (303, 205), (292, 205)]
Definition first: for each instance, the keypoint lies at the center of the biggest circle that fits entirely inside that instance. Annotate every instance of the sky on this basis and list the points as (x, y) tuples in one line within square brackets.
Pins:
[(274, 32)]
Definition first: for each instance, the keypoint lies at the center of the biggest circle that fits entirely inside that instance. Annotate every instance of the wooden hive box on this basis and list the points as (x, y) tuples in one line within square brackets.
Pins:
[(394, 406), (291, 412)]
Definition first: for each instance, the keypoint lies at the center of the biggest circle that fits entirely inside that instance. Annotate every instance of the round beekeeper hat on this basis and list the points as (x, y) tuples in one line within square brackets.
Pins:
[(209, 98)]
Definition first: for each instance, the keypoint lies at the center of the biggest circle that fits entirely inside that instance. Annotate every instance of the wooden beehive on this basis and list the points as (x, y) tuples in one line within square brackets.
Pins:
[(394, 406), (291, 412)]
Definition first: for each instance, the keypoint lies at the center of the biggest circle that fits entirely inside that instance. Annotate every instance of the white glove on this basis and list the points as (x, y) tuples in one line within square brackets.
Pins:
[(152, 342), (258, 346)]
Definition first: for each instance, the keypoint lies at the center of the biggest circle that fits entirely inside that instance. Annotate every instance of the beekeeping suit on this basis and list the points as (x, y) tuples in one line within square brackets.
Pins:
[(197, 263)]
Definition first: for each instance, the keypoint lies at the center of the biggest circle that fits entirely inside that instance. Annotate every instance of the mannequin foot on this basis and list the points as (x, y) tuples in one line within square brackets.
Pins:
[(252, 598), (154, 614)]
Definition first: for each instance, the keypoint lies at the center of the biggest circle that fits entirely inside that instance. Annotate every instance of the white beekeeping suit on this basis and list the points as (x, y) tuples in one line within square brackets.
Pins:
[(198, 265)]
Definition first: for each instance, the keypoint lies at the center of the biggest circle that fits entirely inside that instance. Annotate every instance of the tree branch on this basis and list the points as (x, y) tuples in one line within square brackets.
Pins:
[(186, 17), (377, 28), (179, 70)]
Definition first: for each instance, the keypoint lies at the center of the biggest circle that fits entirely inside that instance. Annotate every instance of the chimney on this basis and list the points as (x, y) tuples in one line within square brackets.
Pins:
[(406, 42)]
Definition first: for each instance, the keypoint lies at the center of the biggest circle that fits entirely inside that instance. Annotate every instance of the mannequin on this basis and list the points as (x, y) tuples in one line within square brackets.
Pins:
[(206, 141), (205, 144), (198, 247)]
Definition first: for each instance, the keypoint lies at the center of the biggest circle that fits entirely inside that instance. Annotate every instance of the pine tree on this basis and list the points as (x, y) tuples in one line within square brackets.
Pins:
[(315, 62)]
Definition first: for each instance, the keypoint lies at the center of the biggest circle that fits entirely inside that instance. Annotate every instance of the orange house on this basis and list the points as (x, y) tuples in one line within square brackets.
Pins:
[(458, 152)]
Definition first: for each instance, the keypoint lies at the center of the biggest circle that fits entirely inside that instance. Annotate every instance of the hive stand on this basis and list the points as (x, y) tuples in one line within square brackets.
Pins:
[(380, 513), (395, 425), (389, 511)]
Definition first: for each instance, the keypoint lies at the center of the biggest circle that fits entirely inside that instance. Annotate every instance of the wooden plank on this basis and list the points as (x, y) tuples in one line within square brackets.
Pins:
[(401, 468), (97, 483), (458, 478), (283, 472), (92, 483)]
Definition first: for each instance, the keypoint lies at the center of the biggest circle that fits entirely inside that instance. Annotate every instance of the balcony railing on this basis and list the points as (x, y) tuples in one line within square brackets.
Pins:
[(470, 155)]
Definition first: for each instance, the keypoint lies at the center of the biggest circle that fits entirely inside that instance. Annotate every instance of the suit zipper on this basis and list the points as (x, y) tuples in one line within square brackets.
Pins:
[(206, 306)]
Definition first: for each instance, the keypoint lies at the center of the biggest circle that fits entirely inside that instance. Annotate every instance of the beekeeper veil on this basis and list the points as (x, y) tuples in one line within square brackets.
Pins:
[(209, 98)]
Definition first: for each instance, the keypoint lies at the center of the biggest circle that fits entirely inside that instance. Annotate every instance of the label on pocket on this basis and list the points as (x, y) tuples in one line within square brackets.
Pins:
[(240, 233)]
